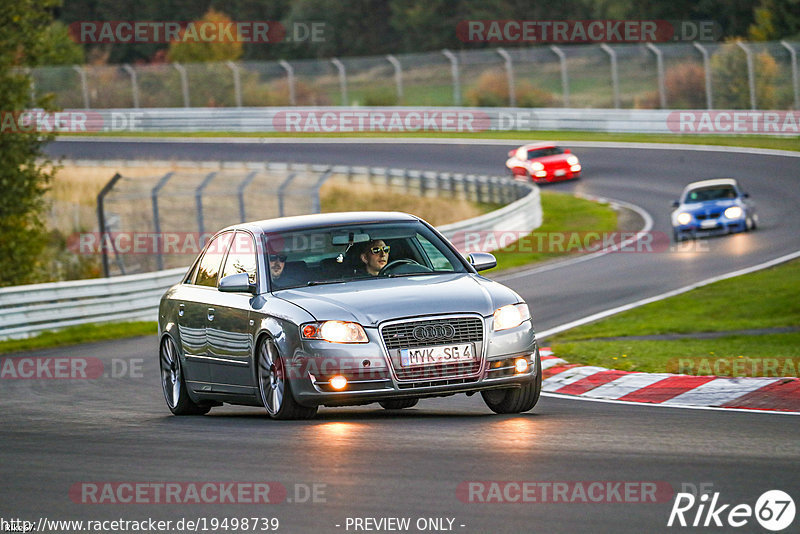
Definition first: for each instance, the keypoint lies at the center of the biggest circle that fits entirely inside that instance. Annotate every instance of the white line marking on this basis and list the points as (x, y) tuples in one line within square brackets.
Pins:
[(547, 364), (720, 391), (625, 384), (569, 376)]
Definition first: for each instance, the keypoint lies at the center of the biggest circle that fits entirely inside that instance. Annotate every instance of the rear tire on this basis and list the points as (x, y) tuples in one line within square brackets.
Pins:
[(173, 384), (398, 404), (515, 400), (275, 387)]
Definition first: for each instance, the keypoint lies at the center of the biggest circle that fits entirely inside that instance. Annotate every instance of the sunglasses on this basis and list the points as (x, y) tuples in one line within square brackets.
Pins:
[(281, 258), (378, 250)]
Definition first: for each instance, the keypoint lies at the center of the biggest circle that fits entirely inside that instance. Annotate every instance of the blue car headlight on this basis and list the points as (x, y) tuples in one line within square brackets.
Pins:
[(734, 212), (684, 218)]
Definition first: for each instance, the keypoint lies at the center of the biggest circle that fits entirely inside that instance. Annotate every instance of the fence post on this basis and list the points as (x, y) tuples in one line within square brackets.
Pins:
[(101, 218), (562, 59), (184, 84), (240, 192), (237, 82), (398, 76), (316, 206), (342, 79), (512, 95), (289, 80), (134, 86), (84, 84), (156, 221), (198, 200), (456, 77), (662, 90), (612, 56), (31, 86), (282, 190), (707, 69), (795, 82), (751, 75)]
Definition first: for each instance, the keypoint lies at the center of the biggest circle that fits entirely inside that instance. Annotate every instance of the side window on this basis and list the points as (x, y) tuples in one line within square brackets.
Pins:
[(438, 260), (242, 257), (208, 270)]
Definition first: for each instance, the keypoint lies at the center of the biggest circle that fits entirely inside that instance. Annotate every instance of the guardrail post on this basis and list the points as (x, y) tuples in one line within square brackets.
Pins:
[(398, 76), (84, 84), (156, 220), (456, 77), (662, 90), (289, 80), (512, 95), (751, 75), (31, 86), (316, 207), (342, 79), (795, 83), (134, 86), (240, 193), (282, 190), (198, 199), (422, 184), (612, 56), (184, 84), (237, 82), (562, 59), (101, 219), (707, 69)]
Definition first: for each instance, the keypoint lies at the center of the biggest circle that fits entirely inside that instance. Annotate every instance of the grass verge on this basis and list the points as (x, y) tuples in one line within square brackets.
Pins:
[(75, 335), (761, 300)]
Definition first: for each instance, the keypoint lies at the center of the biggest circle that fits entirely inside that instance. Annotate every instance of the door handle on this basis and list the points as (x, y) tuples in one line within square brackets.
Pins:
[(181, 310), (211, 314)]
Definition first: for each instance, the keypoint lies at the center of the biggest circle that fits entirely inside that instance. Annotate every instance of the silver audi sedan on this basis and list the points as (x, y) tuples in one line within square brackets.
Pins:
[(342, 309)]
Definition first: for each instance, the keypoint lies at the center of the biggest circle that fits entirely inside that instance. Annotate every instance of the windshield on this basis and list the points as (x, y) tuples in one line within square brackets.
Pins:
[(710, 193), (356, 252), (544, 152)]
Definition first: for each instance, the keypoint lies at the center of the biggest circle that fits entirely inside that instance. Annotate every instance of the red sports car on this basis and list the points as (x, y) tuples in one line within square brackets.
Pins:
[(543, 162)]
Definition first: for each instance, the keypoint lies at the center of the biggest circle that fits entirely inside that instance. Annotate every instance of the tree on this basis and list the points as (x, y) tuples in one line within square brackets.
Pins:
[(188, 50), (24, 174), (731, 88)]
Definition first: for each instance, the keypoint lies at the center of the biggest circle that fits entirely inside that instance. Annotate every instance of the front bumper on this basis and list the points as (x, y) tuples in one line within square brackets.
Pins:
[(720, 227)]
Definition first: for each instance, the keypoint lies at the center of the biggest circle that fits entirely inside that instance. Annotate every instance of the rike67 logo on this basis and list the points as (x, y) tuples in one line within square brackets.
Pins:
[(774, 510)]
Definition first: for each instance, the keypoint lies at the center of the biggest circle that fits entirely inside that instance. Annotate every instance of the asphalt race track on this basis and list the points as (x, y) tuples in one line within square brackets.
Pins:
[(369, 463)]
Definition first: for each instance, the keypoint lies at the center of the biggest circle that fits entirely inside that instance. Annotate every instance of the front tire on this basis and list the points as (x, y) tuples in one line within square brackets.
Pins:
[(275, 387), (515, 400), (173, 384), (398, 404)]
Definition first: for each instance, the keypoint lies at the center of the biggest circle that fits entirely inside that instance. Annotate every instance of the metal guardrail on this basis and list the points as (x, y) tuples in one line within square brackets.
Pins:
[(31, 309)]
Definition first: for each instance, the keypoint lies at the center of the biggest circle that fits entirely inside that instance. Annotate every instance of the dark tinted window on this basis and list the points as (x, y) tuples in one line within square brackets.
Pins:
[(544, 152), (711, 193), (242, 257), (208, 270)]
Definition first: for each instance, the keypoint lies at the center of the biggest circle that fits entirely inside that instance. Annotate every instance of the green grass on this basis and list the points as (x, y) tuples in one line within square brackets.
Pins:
[(765, 299), (562, 214), (754, 141), (75, 335)]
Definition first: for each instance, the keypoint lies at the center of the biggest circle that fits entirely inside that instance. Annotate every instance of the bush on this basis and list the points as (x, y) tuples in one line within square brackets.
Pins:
[(730, 83), (491, 90), (383, 96)]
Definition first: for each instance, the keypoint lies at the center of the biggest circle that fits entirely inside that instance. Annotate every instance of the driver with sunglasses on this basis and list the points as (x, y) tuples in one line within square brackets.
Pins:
[(374, 255)]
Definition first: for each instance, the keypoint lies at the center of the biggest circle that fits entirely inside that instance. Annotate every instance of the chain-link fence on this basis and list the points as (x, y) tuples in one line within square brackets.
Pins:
[(162, 221), (733, 75)]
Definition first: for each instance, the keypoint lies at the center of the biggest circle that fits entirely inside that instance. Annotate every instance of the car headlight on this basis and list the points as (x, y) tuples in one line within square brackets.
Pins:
[(684, 218), (734, 212), (572, 160), (537, 166), (334, 332), (510, 316)]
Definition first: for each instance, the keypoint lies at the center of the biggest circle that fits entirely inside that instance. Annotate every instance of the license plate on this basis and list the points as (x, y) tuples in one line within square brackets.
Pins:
[(708, 223), (561, 172), (437, 355)]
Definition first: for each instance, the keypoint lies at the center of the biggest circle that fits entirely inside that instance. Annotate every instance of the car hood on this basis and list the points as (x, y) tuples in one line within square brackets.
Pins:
[(370, 302)]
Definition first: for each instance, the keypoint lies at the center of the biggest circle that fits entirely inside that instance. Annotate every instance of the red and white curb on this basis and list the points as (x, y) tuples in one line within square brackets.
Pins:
[(752, 393)]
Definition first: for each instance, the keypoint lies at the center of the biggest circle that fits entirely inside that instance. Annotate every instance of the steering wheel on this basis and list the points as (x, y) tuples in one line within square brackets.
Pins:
[(394, 263)]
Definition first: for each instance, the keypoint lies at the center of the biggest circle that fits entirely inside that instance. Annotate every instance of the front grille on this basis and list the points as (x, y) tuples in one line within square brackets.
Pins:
[(712, 215), (400, 335)]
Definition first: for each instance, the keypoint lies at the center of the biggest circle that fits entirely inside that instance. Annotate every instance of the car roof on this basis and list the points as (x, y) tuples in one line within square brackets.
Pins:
[(712, 183), (318, 220), (534, 146)]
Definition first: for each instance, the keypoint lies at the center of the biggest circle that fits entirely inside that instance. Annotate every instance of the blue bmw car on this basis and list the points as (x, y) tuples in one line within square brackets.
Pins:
[(712, 207)]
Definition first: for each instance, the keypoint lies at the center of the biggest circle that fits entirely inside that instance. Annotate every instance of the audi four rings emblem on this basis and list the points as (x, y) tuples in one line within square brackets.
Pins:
[(432, 332)]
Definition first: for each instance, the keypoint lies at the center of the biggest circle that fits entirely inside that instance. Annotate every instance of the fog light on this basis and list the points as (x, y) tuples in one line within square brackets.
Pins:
[(540, 174), (521, 365), (338, 382)]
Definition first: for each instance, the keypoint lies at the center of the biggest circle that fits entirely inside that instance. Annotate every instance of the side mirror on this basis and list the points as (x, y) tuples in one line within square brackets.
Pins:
[(745, 195), (237, 283), (482, 260), (675, 204), (567, 151)]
